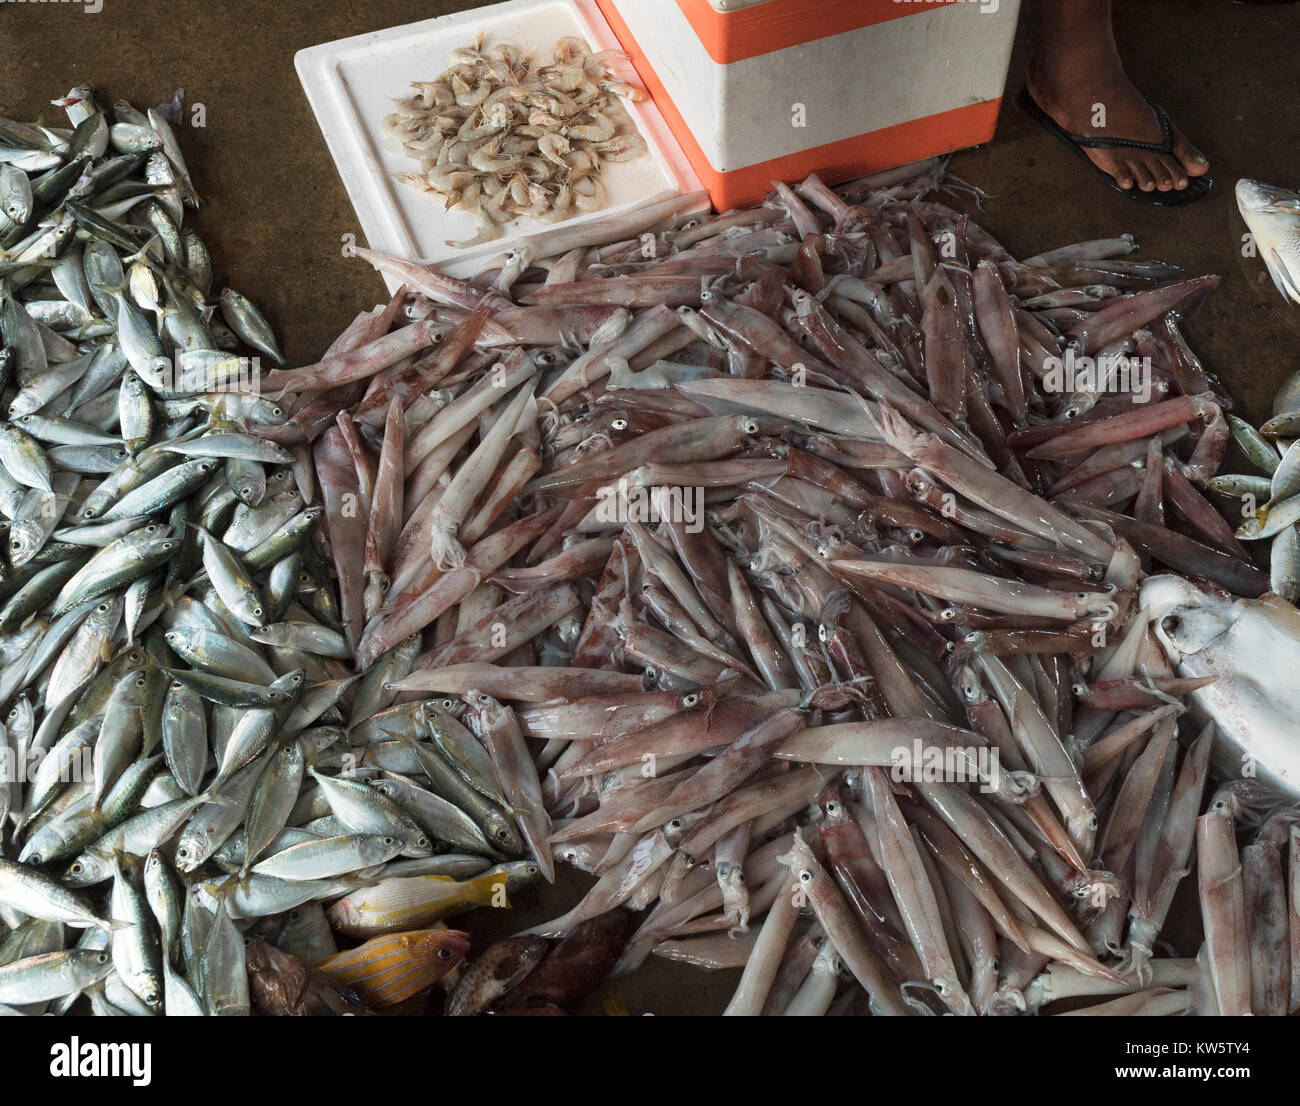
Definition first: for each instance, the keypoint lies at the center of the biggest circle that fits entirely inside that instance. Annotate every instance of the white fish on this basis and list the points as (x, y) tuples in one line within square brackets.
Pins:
[(1273, 216), (1253, 647)]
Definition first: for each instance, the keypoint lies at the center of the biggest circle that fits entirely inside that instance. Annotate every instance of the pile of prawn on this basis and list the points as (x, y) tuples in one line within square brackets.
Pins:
[(811, 591), (500, 137)]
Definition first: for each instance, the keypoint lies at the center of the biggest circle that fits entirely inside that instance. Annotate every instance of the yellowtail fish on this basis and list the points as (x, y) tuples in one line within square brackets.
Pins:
[(396, 904), (390, 969)]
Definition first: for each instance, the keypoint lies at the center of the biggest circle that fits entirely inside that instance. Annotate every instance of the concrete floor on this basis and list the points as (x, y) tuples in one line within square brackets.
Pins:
[(276, 211)]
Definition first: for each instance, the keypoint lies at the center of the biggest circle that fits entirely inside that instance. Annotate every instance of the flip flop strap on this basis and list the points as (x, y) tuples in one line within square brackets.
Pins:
[(1164, 146)]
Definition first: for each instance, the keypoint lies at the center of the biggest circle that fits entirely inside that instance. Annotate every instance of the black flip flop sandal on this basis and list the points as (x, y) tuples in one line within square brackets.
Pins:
[(1197, 187)]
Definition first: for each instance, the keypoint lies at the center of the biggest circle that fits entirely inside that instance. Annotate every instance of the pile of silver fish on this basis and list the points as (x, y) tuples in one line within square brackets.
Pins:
[(1268, 500), (501, 137), (179, 720), (794, 571)]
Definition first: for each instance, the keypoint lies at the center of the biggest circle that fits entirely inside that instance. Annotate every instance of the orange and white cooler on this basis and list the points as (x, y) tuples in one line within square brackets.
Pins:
[(759, 90)]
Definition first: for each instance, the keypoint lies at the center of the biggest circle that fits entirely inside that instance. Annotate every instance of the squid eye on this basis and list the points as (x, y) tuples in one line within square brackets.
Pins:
[(691, 699), (619, 424), (832, 808), (805, 876)]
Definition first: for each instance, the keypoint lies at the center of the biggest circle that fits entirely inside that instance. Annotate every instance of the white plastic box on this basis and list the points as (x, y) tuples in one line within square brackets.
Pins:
[(352, 82), (762, 90)]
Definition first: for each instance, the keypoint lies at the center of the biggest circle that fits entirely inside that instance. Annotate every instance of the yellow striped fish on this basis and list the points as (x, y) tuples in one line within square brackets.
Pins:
[(393, 905), (390, 969)]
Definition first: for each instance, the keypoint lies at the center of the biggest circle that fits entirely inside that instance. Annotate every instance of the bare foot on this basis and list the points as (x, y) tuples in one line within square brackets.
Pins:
[(1078, 79)]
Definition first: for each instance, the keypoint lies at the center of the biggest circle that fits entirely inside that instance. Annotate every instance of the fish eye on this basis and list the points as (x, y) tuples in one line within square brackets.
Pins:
[(388, 841), (182, 853), (294, 915), (102, 958), (151, 999), (35, 858), (422, 842), (503, 835), (78, 868), (257, 611), (444, 954)]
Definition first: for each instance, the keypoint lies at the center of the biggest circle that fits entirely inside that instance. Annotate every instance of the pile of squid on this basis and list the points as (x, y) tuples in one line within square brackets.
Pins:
[(501, 137), (802, 546)]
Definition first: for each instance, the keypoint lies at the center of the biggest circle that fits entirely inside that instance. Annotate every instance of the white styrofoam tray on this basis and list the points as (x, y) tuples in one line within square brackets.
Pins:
[(351, 84)]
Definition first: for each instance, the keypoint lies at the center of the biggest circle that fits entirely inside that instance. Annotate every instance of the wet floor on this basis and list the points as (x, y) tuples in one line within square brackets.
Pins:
[(276, 212)]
